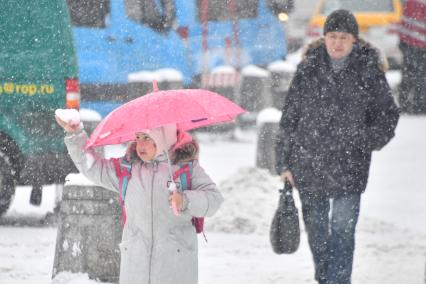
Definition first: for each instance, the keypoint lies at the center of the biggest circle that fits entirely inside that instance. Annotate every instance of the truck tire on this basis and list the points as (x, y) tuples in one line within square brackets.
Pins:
[(7, 186)]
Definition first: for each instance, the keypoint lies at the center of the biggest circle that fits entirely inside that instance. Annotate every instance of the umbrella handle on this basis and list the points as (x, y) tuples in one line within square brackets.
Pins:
[(174, 207), (173, 189)]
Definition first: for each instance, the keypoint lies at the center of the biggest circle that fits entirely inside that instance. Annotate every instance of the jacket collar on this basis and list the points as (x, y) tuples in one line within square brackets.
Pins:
[(315, 54)]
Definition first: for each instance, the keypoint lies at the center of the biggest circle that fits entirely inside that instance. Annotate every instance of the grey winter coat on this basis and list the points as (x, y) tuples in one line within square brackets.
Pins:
[(332, 121), (157, 246)]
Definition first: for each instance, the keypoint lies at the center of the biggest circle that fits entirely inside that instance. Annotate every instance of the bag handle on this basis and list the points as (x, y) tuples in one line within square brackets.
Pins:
[(287, 188)]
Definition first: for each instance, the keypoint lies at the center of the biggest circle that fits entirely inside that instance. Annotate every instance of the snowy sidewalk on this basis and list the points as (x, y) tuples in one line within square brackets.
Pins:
[(385, 254), (390, 240)]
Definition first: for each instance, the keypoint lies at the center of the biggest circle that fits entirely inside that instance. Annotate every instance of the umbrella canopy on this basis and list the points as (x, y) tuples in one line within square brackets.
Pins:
[(188, 108)]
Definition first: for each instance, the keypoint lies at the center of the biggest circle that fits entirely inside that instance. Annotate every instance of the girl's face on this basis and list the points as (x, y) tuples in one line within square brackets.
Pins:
[(145, 147), (339, 44)]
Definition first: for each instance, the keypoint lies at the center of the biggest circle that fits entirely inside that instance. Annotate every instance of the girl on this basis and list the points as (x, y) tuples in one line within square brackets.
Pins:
[(158, 246)]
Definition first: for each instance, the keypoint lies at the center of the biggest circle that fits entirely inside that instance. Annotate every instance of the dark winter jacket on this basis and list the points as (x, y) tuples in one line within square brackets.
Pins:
[(332, 121)]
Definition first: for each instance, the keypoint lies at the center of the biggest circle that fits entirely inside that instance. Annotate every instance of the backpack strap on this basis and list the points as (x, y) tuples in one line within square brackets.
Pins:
[(123, 171), (184, 173)]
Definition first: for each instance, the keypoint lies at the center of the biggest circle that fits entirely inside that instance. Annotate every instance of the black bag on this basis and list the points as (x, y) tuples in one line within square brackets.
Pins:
[(285, 228)]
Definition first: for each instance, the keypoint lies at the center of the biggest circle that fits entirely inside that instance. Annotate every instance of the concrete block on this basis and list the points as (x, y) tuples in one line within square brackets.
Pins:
[(265, 151), (89, 232)]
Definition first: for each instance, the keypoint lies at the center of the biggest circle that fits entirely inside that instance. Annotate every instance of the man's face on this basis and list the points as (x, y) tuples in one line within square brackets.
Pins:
[(339, 44)]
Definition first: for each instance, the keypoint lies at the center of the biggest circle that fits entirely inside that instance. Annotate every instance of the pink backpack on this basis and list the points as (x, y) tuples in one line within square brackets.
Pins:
[(123, 171)]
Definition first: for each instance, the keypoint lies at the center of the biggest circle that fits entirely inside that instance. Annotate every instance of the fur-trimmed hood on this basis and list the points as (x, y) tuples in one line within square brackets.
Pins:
[(186, 152), (363, 50), (183, 153)]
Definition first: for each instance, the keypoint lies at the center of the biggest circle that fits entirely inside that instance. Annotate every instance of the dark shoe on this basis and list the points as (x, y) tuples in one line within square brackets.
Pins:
[(36, 196)]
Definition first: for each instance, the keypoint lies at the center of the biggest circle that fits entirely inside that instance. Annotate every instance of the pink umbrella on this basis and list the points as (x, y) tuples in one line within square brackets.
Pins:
[(188, 108)]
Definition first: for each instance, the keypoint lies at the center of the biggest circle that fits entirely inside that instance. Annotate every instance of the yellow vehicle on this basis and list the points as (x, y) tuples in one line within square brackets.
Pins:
[(377, 21)]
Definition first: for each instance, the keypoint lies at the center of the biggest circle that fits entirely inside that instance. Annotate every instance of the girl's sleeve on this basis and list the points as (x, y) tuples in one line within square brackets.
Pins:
[(98, 170), (204, 199)]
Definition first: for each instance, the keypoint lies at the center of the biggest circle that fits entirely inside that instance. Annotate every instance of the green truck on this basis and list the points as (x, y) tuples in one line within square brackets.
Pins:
[(38, 74)]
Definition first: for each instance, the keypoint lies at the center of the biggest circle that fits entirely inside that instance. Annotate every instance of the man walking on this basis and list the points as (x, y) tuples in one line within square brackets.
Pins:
[(339, 109)]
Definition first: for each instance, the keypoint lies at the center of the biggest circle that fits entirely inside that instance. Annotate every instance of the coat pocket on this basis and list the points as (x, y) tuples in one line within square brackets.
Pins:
[(134, 266), (178, 252)]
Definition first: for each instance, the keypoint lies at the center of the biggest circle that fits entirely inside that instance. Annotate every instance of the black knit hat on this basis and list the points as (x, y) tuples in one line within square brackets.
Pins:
[(341, 21)]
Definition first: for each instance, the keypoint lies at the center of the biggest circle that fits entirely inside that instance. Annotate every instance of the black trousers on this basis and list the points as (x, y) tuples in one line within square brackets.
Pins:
[(330, 225)]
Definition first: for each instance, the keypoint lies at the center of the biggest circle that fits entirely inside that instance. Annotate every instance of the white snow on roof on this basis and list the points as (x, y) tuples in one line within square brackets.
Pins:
[(142, 76), (169, 74), (160, 75), (254, 71), (282, 66), (224, 69)]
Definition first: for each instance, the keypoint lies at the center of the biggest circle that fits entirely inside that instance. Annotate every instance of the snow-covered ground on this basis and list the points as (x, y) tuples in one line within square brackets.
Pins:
[(390, 241)]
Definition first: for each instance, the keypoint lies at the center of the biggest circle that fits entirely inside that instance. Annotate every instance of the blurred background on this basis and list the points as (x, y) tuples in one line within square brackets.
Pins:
[(95, 55)]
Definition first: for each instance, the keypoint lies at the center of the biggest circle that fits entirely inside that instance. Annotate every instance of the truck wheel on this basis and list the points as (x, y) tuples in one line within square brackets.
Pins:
[(7, 186)]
